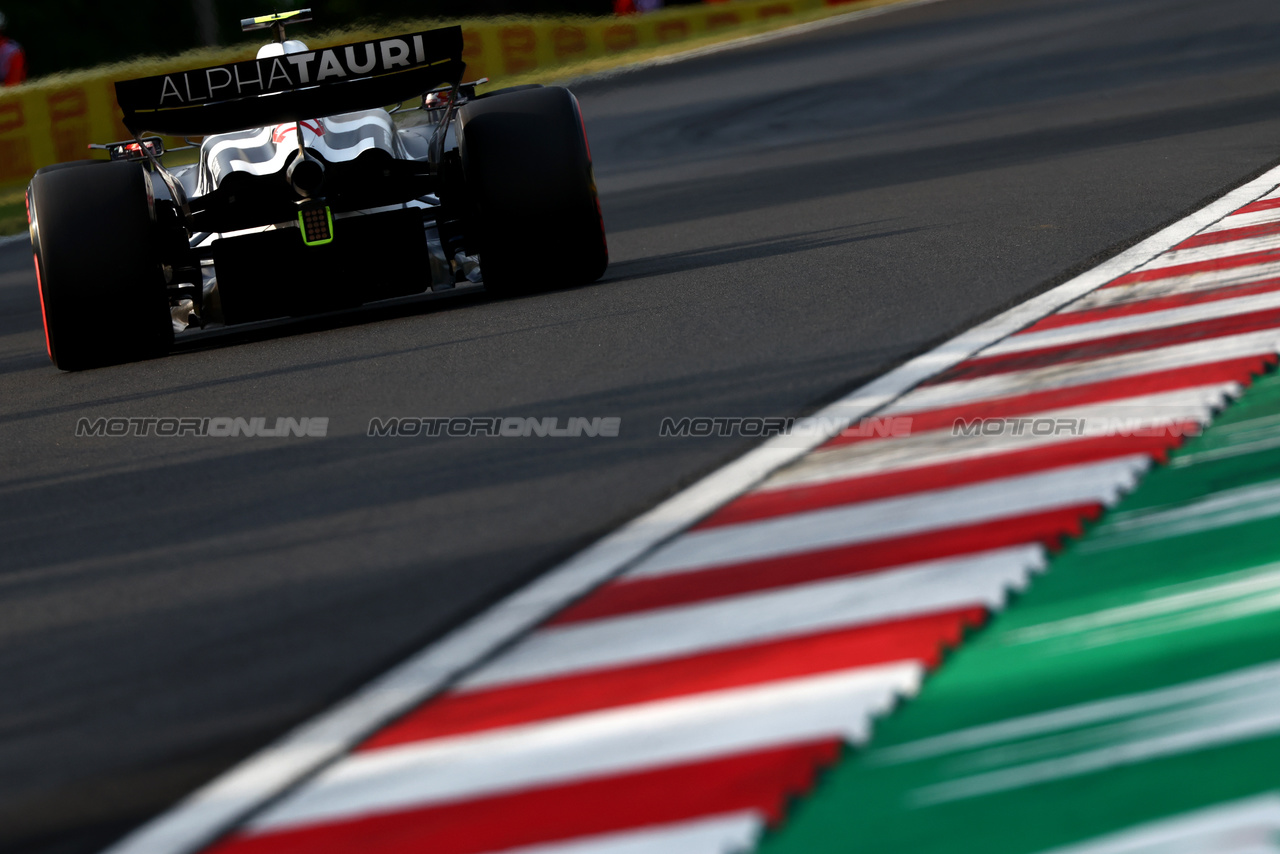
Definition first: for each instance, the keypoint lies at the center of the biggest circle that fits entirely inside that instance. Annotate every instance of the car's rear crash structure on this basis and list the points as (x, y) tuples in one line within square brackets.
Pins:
[(310, 195)]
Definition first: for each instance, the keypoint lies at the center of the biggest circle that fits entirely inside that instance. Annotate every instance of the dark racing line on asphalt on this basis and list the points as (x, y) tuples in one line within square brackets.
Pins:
[(785, 221)]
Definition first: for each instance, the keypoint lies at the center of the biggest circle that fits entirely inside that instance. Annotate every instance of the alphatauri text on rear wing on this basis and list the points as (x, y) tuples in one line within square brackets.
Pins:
[(292, 87)]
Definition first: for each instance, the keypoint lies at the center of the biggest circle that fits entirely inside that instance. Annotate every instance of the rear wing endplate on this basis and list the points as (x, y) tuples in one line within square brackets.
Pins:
[(292, 87)]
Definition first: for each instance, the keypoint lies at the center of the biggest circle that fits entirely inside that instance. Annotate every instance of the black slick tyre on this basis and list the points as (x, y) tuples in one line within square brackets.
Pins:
[(102, 290), (533, 215)]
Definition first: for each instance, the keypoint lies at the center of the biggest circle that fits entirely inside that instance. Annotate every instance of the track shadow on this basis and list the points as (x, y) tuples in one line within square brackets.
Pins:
[(748, 250)]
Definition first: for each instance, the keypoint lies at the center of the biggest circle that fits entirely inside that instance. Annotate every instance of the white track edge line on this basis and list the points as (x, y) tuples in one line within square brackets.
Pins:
[(218, 805)]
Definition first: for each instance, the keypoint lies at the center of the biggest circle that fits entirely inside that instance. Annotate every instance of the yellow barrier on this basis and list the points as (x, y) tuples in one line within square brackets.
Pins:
[(54, 119), (39, 126)]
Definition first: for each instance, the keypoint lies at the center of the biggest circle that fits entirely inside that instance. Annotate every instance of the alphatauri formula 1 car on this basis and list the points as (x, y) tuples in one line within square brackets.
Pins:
[(311, 195)]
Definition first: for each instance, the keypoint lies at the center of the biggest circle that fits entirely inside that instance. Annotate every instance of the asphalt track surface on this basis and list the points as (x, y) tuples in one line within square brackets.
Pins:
[(786, 221)]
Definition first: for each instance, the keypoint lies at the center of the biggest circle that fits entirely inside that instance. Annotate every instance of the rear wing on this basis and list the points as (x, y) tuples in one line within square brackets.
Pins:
[(292, 87)]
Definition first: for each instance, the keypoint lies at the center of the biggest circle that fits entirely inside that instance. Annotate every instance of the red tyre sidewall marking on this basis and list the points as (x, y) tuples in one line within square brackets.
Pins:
[(44, 317), (577, 109)]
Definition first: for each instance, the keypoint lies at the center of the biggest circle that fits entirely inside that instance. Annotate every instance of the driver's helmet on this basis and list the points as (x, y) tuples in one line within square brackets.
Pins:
[(280, 49)]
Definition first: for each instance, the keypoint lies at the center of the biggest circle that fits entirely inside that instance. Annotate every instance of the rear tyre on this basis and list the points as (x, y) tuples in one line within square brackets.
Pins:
[(533, 215), (101, 286)]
